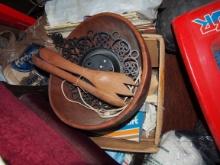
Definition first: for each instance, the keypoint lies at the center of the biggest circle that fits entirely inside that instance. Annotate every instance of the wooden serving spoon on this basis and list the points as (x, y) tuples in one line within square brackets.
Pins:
[(103, 84)]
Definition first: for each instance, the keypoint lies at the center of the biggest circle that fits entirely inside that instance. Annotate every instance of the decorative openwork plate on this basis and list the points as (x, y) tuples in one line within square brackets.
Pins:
[(105, 42)]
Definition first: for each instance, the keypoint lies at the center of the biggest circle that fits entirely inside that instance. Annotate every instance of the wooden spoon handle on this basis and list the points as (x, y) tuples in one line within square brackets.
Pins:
[(54, 58), (110, 98)]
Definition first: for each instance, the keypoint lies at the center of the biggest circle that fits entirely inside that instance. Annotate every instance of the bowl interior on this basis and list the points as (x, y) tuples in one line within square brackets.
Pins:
[(105, 42)]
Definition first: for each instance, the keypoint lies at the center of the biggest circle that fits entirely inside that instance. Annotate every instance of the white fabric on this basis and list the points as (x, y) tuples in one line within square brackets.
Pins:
[(62, 11)]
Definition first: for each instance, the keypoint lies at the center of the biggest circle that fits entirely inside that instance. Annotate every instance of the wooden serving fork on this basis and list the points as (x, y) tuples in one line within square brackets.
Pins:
[(105, 85)]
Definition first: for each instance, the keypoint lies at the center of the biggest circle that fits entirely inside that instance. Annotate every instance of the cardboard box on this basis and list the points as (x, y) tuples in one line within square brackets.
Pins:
[(132, 130), (156, 48)]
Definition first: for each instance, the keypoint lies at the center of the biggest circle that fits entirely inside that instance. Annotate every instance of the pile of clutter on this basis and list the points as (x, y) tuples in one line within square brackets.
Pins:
[(17, 48), (143, 17), (16, 68)]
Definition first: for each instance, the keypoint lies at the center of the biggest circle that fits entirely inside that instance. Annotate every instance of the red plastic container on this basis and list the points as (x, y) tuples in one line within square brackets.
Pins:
[(14, 18), (198, 36)]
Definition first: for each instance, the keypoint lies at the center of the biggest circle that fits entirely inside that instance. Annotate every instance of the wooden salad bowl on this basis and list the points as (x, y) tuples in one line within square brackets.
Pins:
[(106, 42)]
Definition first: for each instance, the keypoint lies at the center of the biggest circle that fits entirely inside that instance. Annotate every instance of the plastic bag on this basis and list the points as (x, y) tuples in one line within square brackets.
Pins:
[(175, 150), (17, 43), (62, 11)]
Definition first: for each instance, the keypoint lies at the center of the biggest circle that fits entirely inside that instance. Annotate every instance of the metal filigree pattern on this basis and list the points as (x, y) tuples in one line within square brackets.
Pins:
[(76, 50)]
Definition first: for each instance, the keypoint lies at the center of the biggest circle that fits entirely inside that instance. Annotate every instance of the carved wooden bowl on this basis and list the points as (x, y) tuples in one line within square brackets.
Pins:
[(105, 41)]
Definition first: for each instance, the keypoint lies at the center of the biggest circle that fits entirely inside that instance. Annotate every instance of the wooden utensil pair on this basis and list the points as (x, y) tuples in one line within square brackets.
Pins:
[(103, 84)]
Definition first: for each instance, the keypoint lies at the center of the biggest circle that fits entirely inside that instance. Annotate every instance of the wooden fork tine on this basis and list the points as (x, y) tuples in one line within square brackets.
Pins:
[(127, 80), (121, 89)]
